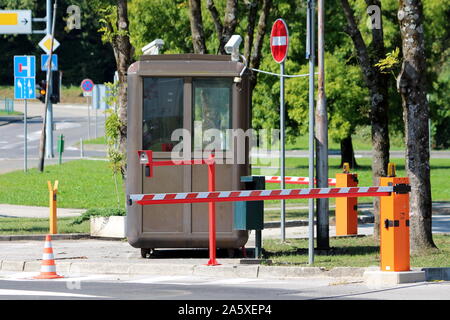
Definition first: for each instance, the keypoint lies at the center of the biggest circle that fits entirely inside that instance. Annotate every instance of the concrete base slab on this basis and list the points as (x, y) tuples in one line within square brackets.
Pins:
[(377, 278), (110, 227)]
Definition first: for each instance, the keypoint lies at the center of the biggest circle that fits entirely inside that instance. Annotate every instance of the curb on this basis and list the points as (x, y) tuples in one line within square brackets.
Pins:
[(41, 237), (239, 271), (8, 120)]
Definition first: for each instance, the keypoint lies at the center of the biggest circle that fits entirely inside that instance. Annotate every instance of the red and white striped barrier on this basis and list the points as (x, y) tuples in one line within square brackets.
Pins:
[(295, 180), (254, 195)]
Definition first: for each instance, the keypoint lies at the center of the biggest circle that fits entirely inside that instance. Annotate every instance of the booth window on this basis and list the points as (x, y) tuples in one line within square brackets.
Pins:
[(212, 113), (163, 112)]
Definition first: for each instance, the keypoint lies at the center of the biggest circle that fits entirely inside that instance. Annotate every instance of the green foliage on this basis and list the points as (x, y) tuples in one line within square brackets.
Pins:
[(113, 123), (99, 212), (391, 61), (160, 19)]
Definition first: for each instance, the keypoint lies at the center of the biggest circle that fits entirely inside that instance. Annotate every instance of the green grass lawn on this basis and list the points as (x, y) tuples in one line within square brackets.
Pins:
[(89, 184), (440, 173), (351, 252), (361, 141), (22, 226), (69, 94), (13, 113), (99, 140), (82, 184)]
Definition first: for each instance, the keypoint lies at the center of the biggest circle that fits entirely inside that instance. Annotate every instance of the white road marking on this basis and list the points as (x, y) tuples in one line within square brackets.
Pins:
[(198, 281), (12, 292)]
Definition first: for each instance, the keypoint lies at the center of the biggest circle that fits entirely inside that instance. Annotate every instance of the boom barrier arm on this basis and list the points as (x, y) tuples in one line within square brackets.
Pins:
[(253, 195)]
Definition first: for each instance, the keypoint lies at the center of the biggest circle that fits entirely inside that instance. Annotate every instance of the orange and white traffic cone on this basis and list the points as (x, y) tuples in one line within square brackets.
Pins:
[(48, 267)]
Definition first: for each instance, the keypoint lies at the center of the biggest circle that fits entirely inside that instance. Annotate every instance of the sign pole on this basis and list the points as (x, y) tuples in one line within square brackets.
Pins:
[(95, 123), (282, 138), (279, 44), (25, 142), (310, 55), (89, 118)]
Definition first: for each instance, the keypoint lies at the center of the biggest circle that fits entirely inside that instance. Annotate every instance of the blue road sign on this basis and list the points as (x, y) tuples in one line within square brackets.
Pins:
[(24, 88), (24, 66), (44, 61), (87, 85)]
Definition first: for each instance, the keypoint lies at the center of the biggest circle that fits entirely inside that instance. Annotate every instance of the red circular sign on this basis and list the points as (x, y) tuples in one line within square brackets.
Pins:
[(279, 40), (87, 85)]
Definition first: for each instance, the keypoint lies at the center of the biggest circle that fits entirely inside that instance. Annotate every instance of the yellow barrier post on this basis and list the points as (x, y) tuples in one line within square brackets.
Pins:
[(52, 203), (346, 208)]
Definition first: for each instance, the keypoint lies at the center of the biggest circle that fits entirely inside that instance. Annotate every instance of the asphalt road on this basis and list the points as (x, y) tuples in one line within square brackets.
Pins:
[(70, 121), (22, 286)]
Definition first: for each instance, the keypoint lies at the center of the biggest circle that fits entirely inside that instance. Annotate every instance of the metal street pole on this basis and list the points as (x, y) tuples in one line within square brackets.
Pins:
[(25, 135), (323, 241), (49, 124), (310, 55), (282, 158), (89, 118), (42, 144)]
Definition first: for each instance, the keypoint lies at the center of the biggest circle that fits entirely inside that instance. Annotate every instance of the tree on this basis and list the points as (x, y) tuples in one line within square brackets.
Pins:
[(255, 33), (411, 84), (116, 31), (195, 17), (377, 82)]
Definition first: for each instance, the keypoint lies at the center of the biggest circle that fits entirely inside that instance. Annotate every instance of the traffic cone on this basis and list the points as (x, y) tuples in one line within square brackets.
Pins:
[(48, 267)]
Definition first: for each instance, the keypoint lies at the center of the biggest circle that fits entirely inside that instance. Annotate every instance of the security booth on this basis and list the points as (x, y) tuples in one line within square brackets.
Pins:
[(174, 100)]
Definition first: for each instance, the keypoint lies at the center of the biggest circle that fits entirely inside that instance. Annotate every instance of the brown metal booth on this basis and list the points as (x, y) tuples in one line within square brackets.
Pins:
[(193, 92)]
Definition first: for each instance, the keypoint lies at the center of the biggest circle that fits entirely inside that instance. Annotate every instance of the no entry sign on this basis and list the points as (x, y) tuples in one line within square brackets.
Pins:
[(279, 40)]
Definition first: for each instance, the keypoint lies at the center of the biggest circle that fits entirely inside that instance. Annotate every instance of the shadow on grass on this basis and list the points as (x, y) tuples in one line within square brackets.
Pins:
[(349, 251)]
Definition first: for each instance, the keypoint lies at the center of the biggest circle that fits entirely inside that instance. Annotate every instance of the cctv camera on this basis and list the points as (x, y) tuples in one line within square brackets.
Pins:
[(233, 43)]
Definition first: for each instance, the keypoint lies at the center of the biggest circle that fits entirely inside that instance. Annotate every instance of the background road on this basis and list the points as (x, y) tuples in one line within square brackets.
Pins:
[(69, 120)]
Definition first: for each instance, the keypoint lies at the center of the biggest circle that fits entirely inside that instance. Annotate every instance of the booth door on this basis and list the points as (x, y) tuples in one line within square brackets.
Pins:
[(162, 114), (211, 111)]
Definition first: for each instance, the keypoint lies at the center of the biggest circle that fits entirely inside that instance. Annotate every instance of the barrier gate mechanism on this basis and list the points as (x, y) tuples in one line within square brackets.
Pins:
[(346, 208), (396, 197), (146, 158)]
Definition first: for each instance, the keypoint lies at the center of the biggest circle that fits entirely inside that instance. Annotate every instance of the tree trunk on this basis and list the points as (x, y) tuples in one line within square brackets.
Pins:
[(377, 83), (411, 85), (255, 56), (225, 30), (195, 17), (347, 153), (123, 52)]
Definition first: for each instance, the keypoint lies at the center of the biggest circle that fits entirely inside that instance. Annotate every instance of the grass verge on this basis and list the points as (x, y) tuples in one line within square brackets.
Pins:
[(21, 226), (83, 184), (351, 252), (69, 94), (440, 185), (90, 184), (4, 113)]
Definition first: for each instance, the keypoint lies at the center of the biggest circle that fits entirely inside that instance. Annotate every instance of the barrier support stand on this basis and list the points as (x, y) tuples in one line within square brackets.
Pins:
[(212, 212), (146, 158), (346, 208), (53, 205)]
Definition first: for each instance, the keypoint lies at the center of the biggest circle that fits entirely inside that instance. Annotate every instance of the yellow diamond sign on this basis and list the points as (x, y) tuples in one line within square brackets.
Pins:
[(46, 43)]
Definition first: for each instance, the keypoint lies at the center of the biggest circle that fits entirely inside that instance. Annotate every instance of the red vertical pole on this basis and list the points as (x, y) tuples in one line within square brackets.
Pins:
[(212, 212)]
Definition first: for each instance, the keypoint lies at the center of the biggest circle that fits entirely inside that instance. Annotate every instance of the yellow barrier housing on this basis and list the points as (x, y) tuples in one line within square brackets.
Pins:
[(346, 208), (53, 205), (394, 228)]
